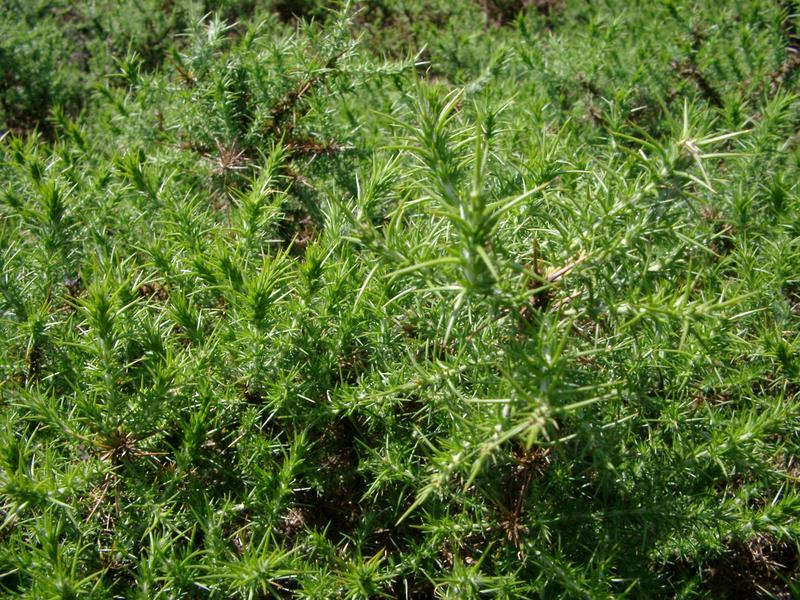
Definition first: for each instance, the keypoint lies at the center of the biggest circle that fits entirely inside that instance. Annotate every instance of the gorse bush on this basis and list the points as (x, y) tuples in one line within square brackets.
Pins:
[(399, 299)]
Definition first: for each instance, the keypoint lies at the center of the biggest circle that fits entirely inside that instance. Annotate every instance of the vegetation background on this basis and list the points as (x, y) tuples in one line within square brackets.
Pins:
[(399, 299)]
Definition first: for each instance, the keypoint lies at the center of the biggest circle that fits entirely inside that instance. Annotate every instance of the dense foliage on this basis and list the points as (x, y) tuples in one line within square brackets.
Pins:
[(402, 299)]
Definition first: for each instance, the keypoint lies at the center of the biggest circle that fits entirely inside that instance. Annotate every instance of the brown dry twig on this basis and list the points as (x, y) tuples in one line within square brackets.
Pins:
[(542, 282), (227, 159)]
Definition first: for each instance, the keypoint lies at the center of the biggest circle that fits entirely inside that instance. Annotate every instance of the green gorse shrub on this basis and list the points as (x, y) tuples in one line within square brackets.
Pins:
[(399, 299)]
